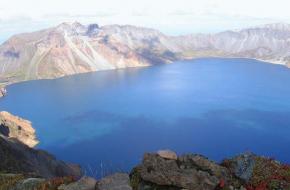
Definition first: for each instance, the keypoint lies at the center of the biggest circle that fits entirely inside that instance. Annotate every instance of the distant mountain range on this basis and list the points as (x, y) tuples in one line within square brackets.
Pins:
[(72, 48)]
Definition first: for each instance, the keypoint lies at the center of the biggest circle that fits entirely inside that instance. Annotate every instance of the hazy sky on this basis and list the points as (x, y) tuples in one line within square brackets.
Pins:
[(170, 16)]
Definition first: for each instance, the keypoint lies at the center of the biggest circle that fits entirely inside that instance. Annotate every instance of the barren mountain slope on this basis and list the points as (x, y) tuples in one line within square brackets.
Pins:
[(72, 48)]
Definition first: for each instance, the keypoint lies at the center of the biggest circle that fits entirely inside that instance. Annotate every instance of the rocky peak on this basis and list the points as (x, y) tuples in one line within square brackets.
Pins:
[(74, 28), (92, 29), (277, 26), (72, 48), (15, 127)]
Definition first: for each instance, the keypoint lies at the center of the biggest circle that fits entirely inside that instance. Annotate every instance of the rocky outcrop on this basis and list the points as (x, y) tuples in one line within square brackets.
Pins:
[(259, 173), (17, 137), (242, 166), (187, 172), (16, 157), (195, 172), (15, 127)]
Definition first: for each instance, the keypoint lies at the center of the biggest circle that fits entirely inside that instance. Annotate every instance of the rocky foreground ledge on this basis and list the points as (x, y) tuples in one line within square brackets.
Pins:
[(165, 170), (20, 163), (15, 127)]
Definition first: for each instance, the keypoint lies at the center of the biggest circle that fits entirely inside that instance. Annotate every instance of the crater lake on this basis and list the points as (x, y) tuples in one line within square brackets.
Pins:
[(106, 120)]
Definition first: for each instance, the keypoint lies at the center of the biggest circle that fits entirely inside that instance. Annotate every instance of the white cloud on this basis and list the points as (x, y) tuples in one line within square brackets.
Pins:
[(169, 16)]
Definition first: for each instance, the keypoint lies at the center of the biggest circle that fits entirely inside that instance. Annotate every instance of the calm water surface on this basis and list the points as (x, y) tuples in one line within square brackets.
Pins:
[(106, 120)]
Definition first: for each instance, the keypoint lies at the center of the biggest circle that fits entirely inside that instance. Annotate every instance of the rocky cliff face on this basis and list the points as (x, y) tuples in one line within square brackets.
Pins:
[(268, 42), (16, 157), (17, 137), (15, 127), (72, 48)]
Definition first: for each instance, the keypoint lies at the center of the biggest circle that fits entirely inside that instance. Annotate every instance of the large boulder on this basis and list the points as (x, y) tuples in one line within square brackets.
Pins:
[(16, 127), (16, 157), (118, 181), (242, 166), (202, 163), (191, 172)]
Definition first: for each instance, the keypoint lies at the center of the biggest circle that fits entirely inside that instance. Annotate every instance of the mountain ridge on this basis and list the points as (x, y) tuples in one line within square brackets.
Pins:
[(73, 48)]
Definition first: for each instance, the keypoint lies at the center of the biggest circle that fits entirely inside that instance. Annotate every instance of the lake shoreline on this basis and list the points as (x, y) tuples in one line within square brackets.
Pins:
[(3, 87), (186, 94), (224, 130)]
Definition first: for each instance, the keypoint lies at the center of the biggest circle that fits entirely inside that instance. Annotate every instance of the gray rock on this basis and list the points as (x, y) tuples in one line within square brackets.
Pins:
[(167, 154), (16, 157), (85, 183), (29, 184), (118, 181), (242, 166), (202, 163), (159, 173)]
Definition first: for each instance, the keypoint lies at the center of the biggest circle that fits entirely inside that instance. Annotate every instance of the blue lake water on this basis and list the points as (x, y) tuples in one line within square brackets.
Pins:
[(106, 120)]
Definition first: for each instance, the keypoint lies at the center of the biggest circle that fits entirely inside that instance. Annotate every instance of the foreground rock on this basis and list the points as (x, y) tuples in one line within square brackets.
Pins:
[(85, 183), (15, 127), (189, 172), (159, 171), (26, 182), (16, 157), (29, 183), (118, 181), (195, 172), (167, 154), (259, 173), (242, 166)]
